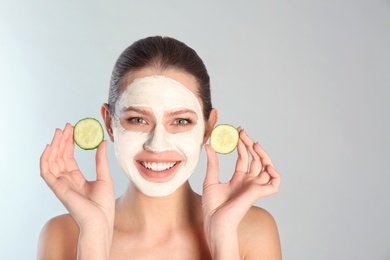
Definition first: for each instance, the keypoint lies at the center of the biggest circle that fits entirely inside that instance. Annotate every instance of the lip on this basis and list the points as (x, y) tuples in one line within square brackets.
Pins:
[(160, 175)]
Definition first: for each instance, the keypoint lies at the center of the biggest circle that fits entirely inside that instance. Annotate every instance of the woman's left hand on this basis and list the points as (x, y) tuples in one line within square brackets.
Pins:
[(225, 204)]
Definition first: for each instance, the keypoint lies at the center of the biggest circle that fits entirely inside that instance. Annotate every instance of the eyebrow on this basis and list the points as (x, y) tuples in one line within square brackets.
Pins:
[(138, 110), (181, 111)]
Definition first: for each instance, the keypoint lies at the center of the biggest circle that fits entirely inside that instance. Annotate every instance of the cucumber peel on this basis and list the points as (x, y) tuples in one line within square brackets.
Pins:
[(224, 138), (88, 133)]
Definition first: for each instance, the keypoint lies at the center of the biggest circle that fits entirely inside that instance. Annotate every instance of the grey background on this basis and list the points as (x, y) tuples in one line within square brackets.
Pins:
[(308, 79)]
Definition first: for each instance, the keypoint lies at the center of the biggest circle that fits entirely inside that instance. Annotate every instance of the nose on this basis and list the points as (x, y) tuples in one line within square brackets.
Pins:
[(158, 140)]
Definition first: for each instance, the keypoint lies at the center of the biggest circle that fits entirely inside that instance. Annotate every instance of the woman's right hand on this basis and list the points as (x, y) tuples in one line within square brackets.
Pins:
[(91, 203)]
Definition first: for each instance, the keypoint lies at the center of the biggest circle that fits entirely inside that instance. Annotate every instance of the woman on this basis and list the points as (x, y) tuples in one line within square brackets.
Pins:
[(159, 115)]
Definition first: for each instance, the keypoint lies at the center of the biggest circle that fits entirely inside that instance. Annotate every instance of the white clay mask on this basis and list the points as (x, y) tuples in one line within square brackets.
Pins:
[(159, 95)]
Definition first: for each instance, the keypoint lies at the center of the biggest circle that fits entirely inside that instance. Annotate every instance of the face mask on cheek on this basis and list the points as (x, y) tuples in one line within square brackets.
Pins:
[(159, 94)]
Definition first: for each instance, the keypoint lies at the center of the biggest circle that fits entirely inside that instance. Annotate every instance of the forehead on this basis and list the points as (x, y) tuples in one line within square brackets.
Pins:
[(184, 78), (158, 92)]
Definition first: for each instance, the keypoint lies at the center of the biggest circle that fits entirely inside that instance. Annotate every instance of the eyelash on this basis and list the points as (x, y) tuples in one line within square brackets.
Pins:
[(140, 120), (136, 120), (188, 121)]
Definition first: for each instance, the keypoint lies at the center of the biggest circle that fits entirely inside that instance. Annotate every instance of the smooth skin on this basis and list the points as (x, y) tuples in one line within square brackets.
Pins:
[(220, 224)]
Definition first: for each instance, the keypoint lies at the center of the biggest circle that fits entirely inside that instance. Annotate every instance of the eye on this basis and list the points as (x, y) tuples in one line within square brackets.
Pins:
[(182, 121), (137, 120)]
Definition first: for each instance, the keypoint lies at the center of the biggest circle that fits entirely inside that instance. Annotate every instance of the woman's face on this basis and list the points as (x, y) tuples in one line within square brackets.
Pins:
[(158, 130)]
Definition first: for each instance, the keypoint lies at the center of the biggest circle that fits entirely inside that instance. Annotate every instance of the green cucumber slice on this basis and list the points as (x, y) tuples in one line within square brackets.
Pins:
[(88, 133), (224, 138)]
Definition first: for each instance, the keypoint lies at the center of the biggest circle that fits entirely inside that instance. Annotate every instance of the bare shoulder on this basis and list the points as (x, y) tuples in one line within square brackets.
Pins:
[(259, 236), (58, 238)]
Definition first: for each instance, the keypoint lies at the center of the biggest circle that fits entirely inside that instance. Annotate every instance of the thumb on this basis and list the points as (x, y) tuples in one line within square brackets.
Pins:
[(102, 169), (212, 166)]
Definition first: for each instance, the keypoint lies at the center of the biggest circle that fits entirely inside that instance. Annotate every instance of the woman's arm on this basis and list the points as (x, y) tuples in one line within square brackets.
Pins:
[(91, 203), (226, 204)]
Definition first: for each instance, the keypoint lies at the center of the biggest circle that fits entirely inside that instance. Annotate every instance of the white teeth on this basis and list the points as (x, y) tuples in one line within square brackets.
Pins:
[(158, 167)]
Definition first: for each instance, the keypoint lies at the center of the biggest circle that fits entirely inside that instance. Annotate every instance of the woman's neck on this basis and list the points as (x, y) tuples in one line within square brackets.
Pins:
[(138, 212)]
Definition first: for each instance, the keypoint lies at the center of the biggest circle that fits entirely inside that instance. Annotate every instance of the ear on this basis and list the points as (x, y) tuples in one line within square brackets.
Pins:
[(107, 120), (210, 124)]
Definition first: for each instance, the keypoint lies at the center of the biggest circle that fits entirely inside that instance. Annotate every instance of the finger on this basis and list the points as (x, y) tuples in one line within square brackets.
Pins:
[(212, 167), (264, 157), (55, 144), (70, 162), (243, 156), (44, 161), (274, 183), (264, 177), (255, 165), (44, 165), (65, 135), (273, 173), (102, 168)]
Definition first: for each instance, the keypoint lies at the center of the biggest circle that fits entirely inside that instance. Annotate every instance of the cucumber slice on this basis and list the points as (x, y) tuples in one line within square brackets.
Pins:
[(88, 133), (224, 138)]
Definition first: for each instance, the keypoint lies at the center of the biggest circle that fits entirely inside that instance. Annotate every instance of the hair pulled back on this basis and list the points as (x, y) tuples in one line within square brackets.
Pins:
[(160, 53)]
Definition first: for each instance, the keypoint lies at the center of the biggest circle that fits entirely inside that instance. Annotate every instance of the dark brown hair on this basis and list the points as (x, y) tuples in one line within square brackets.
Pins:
[(160, 53)]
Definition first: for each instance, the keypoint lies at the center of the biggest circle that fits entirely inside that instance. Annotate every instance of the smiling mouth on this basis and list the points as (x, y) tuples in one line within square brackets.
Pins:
[(158, 166)]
